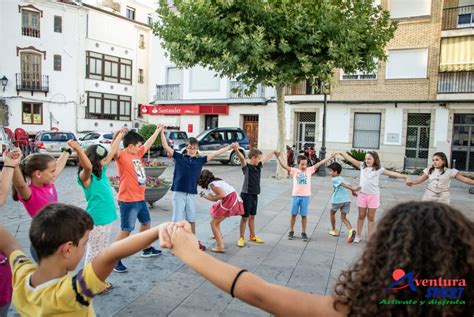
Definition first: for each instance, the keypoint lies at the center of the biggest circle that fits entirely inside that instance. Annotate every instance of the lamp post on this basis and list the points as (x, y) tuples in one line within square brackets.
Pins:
[(322, 152), (4, 81)]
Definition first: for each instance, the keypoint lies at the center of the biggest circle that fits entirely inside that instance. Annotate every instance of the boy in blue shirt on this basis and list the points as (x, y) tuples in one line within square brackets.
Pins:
[(340, 200)]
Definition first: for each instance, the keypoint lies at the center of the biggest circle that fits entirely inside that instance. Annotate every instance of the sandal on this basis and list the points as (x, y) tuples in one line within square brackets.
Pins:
[(217, 250)]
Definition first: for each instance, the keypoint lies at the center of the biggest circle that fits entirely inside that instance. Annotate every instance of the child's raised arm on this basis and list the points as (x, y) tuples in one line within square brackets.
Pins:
[(395, 174), (324, 161), (267, 157), (10, 162), (115, 145), (235, 147), (84, 161), (164, 143), (349, 158), (277, 155), (22, 190), (149, 143), (8, 243), (464, 179), (419, 180), (215, 154), (61, 162)]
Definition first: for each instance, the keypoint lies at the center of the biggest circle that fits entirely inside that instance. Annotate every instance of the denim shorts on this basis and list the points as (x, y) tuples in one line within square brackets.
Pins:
[(184, 207), (130, 212), (344, 207), (299, 205)]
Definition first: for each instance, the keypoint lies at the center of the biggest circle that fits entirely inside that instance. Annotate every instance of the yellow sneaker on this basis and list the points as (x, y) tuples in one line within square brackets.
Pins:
[(256, 239), (241, 242)]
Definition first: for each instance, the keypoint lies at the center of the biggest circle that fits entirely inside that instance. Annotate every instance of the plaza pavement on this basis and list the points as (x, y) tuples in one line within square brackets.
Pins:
[(163, 286)]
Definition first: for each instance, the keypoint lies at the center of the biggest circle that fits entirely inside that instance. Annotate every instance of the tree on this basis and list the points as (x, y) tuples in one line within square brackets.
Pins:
[(146, 132), (275, 42)]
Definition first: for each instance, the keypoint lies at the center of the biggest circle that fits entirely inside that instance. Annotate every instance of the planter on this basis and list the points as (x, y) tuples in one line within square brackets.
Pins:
[(152, 195), (154, 171)]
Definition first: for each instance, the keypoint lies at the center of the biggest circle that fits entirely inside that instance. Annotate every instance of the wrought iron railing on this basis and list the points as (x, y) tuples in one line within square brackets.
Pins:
[(458, 18), (456, 82), (168, 92), (32, 82)]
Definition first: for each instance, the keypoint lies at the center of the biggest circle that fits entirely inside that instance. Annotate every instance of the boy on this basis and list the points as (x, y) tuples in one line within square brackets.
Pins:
[(250, 190), (131, 196), (59, 235), (301, 191), (340, 200), (187, 170)]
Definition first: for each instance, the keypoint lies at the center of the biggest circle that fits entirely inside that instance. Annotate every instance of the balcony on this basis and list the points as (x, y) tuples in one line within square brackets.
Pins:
[(456, 82), (240, 93), (168, 92), (32, 82), (458, 18), (303, 88), (29, 31)]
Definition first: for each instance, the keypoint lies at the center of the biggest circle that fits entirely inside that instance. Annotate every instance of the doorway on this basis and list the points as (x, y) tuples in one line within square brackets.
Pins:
[(251, 129)]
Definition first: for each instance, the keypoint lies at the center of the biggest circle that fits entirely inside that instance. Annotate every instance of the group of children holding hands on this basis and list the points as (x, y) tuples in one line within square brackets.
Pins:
[(61, 234)]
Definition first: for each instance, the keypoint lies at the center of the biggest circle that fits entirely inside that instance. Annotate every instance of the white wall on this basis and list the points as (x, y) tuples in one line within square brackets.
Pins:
[(337, 123), (393, 125)]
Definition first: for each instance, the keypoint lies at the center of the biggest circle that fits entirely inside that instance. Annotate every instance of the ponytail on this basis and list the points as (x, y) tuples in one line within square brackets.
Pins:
[(30, 164)]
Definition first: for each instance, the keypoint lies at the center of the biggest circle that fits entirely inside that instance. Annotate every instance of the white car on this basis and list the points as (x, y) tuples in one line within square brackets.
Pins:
[(5, 142), (102, 138)]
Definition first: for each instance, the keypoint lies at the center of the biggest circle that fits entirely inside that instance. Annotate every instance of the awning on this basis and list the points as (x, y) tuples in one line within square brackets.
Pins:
[(195, 109), (457, 54)]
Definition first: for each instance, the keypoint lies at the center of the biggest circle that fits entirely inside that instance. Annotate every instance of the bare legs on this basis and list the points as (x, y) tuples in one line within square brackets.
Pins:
[(216, 230), (368, 213)]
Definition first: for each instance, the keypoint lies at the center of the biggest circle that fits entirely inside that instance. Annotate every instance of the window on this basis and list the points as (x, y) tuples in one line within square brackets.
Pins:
[(57, 62), (108, 68), (108, 106), (409, 8), (58, 24), (30, 70), (141, 79), (141, 42), (130, 13), (366, 130), (30, 23), (32, 113), (57, 136), (358, 75), (407, 64), (150, 20)]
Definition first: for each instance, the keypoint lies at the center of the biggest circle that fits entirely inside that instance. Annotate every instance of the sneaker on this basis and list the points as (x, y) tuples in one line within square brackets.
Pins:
[(304, 237), (356, 239), (107, 290), (241, 242), (256, 239), (150, 252), (291, 235), (351, 236), (120, 268), (202, 247), (333, 233)]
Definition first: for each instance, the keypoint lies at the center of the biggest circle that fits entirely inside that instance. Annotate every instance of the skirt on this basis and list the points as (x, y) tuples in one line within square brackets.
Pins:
[(230, 205), (441, 197)]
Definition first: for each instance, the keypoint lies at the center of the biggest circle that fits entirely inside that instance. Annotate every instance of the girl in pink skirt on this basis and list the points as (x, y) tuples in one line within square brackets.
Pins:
[(228, 203)]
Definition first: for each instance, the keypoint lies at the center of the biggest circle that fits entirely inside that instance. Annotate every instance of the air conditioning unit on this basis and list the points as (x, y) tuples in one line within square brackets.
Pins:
[(116, 6)]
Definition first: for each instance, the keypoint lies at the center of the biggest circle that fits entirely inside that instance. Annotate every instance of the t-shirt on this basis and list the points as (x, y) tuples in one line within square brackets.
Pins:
[(369, 179), (302, 181), (41, 196), (439, 181), (100, 199), (5, 280), (340, 194), (70, 295), (223, 185), (252, 175), (187, 170), (132, 176)]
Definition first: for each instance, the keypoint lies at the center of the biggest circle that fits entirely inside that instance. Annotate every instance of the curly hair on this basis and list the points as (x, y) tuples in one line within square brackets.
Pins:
[(206, 178), (428, 238)]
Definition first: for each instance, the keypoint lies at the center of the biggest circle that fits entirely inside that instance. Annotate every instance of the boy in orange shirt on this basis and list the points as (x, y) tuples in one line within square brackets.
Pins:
[(131, 196)]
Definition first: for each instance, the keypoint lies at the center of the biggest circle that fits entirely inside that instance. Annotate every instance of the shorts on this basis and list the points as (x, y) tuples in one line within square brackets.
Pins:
[(344, 207), (130, 212), (184, 207), (250, 204), (371, 201), (299, 205)]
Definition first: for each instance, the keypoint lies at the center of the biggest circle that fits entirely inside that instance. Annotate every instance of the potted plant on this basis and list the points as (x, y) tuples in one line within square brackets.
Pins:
[(156, 188), (153, 168)]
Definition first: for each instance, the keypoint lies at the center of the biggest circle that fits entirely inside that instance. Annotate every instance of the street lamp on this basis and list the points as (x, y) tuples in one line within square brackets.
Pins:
[(322, 152), (4, 82)]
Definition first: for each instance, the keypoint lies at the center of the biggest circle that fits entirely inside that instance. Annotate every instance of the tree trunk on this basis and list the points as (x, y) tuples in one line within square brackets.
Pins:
[(281, 146)]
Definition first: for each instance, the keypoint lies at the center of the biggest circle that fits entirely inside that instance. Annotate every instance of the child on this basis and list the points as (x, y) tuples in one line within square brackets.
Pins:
[(131, 196), (92, 177), (422, 225), (10, 161), (369, 197), (439, 175), (187, 169), (252, 170), (228, 203), (59, 234), (340, 200), (301, 191)]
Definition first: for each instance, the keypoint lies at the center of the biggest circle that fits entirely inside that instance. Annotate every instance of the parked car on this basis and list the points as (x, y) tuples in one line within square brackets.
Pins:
[(102, 138), (214, 139), (176, 140), (52, 142), (5, 142)]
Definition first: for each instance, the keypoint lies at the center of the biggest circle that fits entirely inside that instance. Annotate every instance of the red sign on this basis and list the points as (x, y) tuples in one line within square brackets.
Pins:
[(185, 109), (190, 128)]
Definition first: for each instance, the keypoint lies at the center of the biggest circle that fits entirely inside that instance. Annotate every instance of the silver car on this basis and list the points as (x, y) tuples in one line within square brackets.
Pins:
[(52, 142)]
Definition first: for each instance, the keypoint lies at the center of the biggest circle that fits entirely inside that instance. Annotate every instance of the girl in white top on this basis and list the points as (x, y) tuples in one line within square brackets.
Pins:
[(368, 199), (439, 175), (228, 203)]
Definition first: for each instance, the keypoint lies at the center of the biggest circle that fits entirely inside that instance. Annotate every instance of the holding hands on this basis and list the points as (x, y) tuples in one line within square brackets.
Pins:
[(74, 145), (12, 158)]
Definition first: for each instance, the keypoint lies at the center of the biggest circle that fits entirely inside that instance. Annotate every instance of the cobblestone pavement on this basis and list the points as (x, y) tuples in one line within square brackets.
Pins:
[(164, 286)]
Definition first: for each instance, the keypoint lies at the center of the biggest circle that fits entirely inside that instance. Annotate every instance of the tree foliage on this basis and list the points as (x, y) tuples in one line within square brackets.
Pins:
[(147, 131)]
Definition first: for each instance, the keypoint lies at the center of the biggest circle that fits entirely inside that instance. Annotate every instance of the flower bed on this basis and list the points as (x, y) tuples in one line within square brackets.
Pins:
[(156, 188), (154, 168)]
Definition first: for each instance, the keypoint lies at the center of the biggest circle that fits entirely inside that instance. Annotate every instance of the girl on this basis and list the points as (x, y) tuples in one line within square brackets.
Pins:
[(439, 175), (10, 161), (408, 237), (228, 203), (368, 199)]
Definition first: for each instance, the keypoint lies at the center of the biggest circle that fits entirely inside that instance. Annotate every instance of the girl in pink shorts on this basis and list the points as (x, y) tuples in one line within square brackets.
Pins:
[(228, 203), (369, 197)]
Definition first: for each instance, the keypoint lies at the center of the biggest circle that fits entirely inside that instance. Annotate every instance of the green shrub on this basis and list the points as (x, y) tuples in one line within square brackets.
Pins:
[(146, 132), (358, 155)]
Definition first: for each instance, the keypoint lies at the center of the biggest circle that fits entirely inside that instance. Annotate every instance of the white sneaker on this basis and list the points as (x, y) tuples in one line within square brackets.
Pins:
[(357, 239)]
